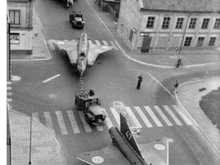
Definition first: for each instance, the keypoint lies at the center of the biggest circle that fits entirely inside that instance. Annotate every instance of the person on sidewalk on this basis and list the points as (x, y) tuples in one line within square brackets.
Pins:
[(176, 85), (179, 63), (140, 79)]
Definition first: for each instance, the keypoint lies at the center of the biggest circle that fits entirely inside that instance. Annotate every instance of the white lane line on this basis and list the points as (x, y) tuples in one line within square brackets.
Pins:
[(35, 116), (100, 128), (61, 122), (153, 116), (48, 120), (177, 121), (85, 124), (116, 115), (143, 117), (163, 116), (105, 43), (133, 118), (73, 122), (184, 117), (157, 81), (51, 78), (97, 42)]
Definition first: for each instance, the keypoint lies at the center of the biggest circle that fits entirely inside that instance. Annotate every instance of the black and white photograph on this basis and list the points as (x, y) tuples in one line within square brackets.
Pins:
[(111, 82)]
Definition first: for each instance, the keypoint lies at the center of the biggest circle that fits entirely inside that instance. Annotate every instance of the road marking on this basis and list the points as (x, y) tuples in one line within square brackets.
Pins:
[(133, 118), (61, 122), (9, 93), (143, 117), (184, 117), (116, 115), (153, 116), (97, 42), (177, 121), (73, 122), (35, 116), (158, 109), (90, 42), (85, 124), (48, 120), (105, 43), (113, 44), (9, 99), (51, 78), (9, 88), (9, 82)]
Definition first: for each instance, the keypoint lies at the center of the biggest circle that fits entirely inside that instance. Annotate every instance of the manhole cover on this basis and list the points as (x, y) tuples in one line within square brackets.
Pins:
[(97, 159)]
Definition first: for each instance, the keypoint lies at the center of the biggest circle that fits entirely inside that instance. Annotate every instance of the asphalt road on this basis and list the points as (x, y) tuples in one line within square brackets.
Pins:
[(113, 77)]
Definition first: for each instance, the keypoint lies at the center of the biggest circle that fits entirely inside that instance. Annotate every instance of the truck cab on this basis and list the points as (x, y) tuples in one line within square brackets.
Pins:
[(90, 105)]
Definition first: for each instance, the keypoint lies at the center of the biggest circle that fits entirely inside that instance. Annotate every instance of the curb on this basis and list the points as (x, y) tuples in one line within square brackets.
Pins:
[(213, 148)]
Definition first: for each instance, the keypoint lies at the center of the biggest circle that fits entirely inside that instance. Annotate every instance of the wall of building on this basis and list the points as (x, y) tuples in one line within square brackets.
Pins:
[(21, 35), (171, 38)]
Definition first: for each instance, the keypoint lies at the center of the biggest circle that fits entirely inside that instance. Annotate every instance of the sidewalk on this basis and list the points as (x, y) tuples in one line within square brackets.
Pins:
[(188, 97), (40, 50), (160, 58), (45, 148)]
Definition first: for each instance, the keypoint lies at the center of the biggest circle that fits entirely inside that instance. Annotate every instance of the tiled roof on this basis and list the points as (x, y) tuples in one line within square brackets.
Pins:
[(182, 5)]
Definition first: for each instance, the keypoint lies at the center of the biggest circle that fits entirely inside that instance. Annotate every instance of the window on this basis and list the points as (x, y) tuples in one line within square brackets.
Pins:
[(179, 23), (14, 16), (192, 23), (217, 23), (166, 22), (131, 35), (14, 38), (212, 41), (200, 41), (150, 22), (205, 23), (187, 41)]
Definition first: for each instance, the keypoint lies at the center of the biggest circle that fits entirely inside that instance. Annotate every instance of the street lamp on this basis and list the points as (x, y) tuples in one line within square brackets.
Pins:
[(30, 140)]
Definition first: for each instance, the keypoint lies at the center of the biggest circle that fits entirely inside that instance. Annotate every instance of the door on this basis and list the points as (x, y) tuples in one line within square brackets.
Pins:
[(146, 44)]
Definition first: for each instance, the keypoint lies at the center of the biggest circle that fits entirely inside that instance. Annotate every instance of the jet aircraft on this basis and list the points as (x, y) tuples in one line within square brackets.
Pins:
[(81, 53), (125, 150)]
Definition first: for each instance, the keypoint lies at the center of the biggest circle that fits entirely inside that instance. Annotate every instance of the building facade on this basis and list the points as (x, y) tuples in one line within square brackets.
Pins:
[(147, 25), (20, 17)]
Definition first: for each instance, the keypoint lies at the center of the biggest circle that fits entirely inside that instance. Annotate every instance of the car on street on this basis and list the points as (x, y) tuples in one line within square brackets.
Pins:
[(76, 20)]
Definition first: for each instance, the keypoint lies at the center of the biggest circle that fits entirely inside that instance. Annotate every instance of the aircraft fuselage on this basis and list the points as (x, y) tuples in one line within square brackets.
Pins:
[(126, 149), (82, 50)]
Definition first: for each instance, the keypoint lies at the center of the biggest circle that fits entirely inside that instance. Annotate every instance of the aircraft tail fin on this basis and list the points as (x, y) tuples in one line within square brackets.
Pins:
[(124, 129)]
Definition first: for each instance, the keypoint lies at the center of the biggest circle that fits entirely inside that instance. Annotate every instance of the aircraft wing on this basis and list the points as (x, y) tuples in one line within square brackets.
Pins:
[(109, 155), (69, 47), (95, 50)]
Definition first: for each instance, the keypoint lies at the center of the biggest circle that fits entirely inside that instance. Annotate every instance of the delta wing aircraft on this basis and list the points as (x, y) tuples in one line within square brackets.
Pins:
[(81, 53), (125, 150)]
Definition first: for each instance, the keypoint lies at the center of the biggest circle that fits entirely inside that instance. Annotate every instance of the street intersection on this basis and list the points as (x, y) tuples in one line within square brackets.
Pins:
[(46, 90)]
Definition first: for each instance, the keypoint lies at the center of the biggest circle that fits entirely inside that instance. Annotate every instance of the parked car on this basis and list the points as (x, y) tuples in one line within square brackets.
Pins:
[(76, 20)]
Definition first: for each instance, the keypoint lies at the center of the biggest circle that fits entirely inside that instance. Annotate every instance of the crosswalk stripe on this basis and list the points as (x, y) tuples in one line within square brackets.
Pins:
[(153, 116), (48, 120), (35, 116), (143, 117), (100, 128), (163, 116), (105, 43), (97, 42), (113, 44), (115, 114), (9, 88), (61, 122), (73, 122), (9, 99), (9, 82), (184, 117), (133, 117), (9, 93), (177, 121), (85, 124)]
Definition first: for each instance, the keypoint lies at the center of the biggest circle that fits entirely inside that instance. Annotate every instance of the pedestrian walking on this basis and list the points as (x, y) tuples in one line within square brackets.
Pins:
[(179, 63), (140, 79), (176, 86)]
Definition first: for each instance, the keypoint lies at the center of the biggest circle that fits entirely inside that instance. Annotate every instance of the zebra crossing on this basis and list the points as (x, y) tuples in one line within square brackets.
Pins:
[(103, 42), (9, 93), (69, 122)]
